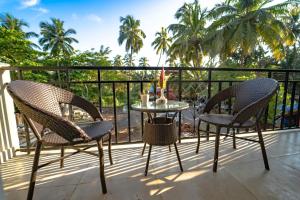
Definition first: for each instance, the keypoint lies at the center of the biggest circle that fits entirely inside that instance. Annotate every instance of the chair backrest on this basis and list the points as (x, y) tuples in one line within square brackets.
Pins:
[(253, 90), (39, 103), (39, 95)]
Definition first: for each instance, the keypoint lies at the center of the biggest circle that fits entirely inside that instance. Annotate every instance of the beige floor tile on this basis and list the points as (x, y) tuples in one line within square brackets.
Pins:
[(281, 182), (49, 193), (241, 173)]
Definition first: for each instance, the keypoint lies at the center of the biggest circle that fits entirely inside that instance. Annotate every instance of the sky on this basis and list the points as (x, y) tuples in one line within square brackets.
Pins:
[(97, 21)]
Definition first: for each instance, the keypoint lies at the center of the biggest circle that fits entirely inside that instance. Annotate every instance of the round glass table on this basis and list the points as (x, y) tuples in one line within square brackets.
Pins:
[(160, 131), (152, 107)]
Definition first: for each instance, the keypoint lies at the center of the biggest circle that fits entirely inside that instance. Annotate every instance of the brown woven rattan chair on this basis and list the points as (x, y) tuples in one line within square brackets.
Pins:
[(251, 99), (40, 106)]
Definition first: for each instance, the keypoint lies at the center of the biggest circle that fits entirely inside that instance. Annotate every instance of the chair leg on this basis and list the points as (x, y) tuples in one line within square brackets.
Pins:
[(101, 166), (233, 138), (143, 151), (148, 160), (207, 132), (262, 146), (198, 134), (178, 157), (170, 148), (62, 154), (217, 143), (109, 150), (34, 170)]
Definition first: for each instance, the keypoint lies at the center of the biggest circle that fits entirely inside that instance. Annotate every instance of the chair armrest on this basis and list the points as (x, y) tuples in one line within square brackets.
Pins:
[(219, 97), (254, 109), (68, 97), (86, 106)]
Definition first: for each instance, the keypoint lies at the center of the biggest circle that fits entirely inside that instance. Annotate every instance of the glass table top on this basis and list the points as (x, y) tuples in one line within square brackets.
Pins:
[(170, 106)]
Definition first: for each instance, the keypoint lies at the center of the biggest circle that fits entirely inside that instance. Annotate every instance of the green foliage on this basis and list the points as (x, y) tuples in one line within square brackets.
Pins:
[(233, 34), (16, 49), (239, 26), (118, 61)]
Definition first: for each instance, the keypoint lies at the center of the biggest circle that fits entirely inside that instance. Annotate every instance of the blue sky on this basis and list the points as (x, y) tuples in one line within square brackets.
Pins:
[(97, 21)]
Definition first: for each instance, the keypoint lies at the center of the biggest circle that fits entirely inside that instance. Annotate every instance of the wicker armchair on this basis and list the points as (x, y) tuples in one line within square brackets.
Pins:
[(40, 106), (250, 100)]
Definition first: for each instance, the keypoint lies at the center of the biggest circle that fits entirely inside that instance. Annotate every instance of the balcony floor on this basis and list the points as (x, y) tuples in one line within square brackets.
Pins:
[(241, 173)]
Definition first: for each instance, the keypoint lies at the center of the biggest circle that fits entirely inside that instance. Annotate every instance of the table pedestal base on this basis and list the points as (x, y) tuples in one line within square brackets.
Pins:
[(160, 131)]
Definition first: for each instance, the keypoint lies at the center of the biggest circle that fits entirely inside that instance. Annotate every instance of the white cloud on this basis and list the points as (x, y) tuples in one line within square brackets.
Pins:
[(41, 10), (93, 17), (29, 3), (74, 16)]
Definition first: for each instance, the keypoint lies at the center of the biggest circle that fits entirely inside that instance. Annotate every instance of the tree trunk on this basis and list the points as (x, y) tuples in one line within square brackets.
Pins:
[(58, 73), (130, 58), (159, 58), (198, 63)]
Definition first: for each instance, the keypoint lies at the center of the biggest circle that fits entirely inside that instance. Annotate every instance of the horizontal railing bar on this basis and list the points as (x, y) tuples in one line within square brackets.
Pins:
[(171, 81), (48, 68)]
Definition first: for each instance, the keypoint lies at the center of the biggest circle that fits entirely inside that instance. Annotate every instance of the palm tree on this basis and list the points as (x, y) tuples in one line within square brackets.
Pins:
[(129, 60), (118, 61), (10, 22), (291, 59), (56, 39), (144, 62), (161, 43), (131, 33), (188, 34), (104, 51), (241, 25)]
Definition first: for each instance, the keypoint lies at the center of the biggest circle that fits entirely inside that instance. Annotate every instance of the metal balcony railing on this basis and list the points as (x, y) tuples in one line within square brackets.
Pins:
[(114, 89)]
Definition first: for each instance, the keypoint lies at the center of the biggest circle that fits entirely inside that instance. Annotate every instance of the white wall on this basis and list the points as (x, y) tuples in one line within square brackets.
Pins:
[(9, 140)]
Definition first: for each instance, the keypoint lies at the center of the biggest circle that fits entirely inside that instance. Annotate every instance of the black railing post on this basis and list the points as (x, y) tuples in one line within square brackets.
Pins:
[(229, 101), (220, 89), (142, 114), (20, 75), (286, 82), (267, 108), (208, 97), (69, 88), (128, 111), (292, 103), (209, 84), (179, 97), (115, 112), (298, 109), (99, 91), (275, 110), (155, 85)]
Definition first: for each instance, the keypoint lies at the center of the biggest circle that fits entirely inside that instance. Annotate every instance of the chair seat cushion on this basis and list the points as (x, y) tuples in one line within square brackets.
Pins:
[(94, 130), (98, 129), (224, 120)]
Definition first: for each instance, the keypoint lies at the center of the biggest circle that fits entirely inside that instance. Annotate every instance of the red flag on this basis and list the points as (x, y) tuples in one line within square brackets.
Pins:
[(162, 77)]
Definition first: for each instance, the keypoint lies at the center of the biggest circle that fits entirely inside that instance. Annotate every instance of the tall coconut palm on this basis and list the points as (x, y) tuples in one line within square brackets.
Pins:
[(104, 52), (162, 42), (131, 33), (239, 26), (56, 39), (144, 62), (291, 59), (118, 61), (10, 22), (129, 60), (188, 34)]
